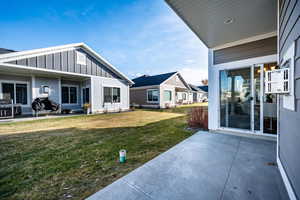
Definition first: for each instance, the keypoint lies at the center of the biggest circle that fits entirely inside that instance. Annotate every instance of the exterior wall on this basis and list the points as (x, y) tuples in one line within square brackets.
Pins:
[(175, 81), (163, 103), (138, 97), (97, 97), (289, 137), (254, 49), (66, 61), (52, 83)]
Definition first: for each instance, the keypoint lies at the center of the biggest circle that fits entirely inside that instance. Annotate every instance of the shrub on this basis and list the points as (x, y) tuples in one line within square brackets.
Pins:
[(198, 118)]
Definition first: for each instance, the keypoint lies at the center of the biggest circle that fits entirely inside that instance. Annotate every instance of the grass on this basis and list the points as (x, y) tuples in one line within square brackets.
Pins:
[(71, 158)]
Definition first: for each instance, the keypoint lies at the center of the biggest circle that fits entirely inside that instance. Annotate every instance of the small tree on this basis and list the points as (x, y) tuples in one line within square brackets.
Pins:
[(204, 81)]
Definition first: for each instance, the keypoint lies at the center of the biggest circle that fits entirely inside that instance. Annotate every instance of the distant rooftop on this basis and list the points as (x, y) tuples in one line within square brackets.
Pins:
[(203, 88), (4, 51), (147, 80)]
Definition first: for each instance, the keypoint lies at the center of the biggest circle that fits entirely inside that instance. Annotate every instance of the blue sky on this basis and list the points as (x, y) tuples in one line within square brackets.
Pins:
[(138, 37)]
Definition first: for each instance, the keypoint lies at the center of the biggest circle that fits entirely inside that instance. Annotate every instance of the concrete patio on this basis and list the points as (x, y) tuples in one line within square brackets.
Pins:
[(205, 166)]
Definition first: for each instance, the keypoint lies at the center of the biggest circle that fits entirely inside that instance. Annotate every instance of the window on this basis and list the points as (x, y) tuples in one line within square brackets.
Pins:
[(184, 96), (69, 95), (86, 95), (152, 95), (81, 58), (16, 92), (21, 93), (167, 95), (112, 95)]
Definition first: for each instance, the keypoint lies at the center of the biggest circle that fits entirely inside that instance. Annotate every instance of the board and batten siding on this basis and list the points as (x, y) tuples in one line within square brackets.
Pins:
[(289, 126), (66, 61), (254, 49)]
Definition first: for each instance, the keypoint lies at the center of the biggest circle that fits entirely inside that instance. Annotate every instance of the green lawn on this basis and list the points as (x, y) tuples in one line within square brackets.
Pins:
[(74, 157)]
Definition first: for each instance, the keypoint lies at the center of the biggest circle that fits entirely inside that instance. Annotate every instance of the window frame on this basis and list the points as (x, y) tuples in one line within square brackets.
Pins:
[(15, 90), (158, 96), (77, 93), (111, 94), (171, 93), (84, 97)]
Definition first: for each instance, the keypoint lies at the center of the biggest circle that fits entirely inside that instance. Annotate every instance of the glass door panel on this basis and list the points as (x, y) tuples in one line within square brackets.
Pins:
[(235, 98), (270, 106), (257, 97)]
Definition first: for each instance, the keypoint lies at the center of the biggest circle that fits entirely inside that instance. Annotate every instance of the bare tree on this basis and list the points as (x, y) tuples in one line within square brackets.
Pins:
[(204, 81)]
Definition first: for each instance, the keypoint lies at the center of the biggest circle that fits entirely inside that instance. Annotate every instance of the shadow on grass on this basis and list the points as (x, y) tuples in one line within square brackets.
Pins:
[(64, 163)]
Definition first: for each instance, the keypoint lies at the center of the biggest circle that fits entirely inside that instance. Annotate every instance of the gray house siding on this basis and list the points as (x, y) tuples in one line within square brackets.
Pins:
[(66, 61), (139, 96), (254, 49), (289, 126)]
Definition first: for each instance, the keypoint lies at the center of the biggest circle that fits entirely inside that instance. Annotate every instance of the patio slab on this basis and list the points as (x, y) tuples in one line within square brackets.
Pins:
[(205, 166)]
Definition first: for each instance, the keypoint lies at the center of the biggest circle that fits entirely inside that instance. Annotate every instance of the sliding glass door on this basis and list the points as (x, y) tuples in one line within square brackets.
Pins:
[(235, 101), (243, 103)]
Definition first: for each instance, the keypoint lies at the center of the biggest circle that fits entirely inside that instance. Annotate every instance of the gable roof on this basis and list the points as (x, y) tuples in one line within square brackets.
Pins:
[(146, 80), (4, 51), (194, 88), (203, 88), (43, 51)]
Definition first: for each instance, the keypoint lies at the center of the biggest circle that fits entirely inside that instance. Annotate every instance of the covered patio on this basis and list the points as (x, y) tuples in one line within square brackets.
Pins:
[(205, 166)]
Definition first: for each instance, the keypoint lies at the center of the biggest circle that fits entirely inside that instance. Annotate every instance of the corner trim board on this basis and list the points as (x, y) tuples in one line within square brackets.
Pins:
[(286, 180)]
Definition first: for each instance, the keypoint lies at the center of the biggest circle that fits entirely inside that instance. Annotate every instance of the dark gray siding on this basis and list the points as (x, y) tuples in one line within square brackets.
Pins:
[(289, 124), (254, 49), (66, 61)]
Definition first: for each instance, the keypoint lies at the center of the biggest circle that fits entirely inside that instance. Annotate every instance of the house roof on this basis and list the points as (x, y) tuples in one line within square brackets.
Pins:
[(43, 51), (4, 51), (194, 88), (146, 80), (203, 88)]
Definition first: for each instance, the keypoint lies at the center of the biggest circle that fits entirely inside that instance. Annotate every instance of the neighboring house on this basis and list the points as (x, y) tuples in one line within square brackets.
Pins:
[(197, 94), (159, 91), (70, 75), (204, 92), (245, 39)]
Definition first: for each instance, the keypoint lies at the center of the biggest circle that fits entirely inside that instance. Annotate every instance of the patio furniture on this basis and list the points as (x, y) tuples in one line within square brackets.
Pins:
[(8, 109)]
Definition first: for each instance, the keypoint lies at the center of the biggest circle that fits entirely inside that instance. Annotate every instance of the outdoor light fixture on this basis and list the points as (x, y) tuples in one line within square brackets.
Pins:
[(228, 20)]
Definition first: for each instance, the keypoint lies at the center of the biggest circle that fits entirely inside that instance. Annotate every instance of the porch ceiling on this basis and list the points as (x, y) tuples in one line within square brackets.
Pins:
[(207, 18)]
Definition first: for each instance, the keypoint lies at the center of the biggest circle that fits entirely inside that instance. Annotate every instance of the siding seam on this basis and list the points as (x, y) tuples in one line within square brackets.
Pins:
[(292, 28), (284, 13), (281, 32)]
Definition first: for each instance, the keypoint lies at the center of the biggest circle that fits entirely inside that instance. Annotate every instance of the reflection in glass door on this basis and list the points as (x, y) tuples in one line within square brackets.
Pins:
[(243, 103), (235, 101)]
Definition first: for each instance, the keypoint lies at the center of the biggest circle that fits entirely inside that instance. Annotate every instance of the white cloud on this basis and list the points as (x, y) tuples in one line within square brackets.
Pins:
[(193, 75)]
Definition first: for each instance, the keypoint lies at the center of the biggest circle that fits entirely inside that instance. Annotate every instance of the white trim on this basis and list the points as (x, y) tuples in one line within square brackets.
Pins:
[(42, 51), (158, 100), (15, 91), (246, 40), (245, 131), (77, 93), (286, 181), (111, 86), (59, 94)]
